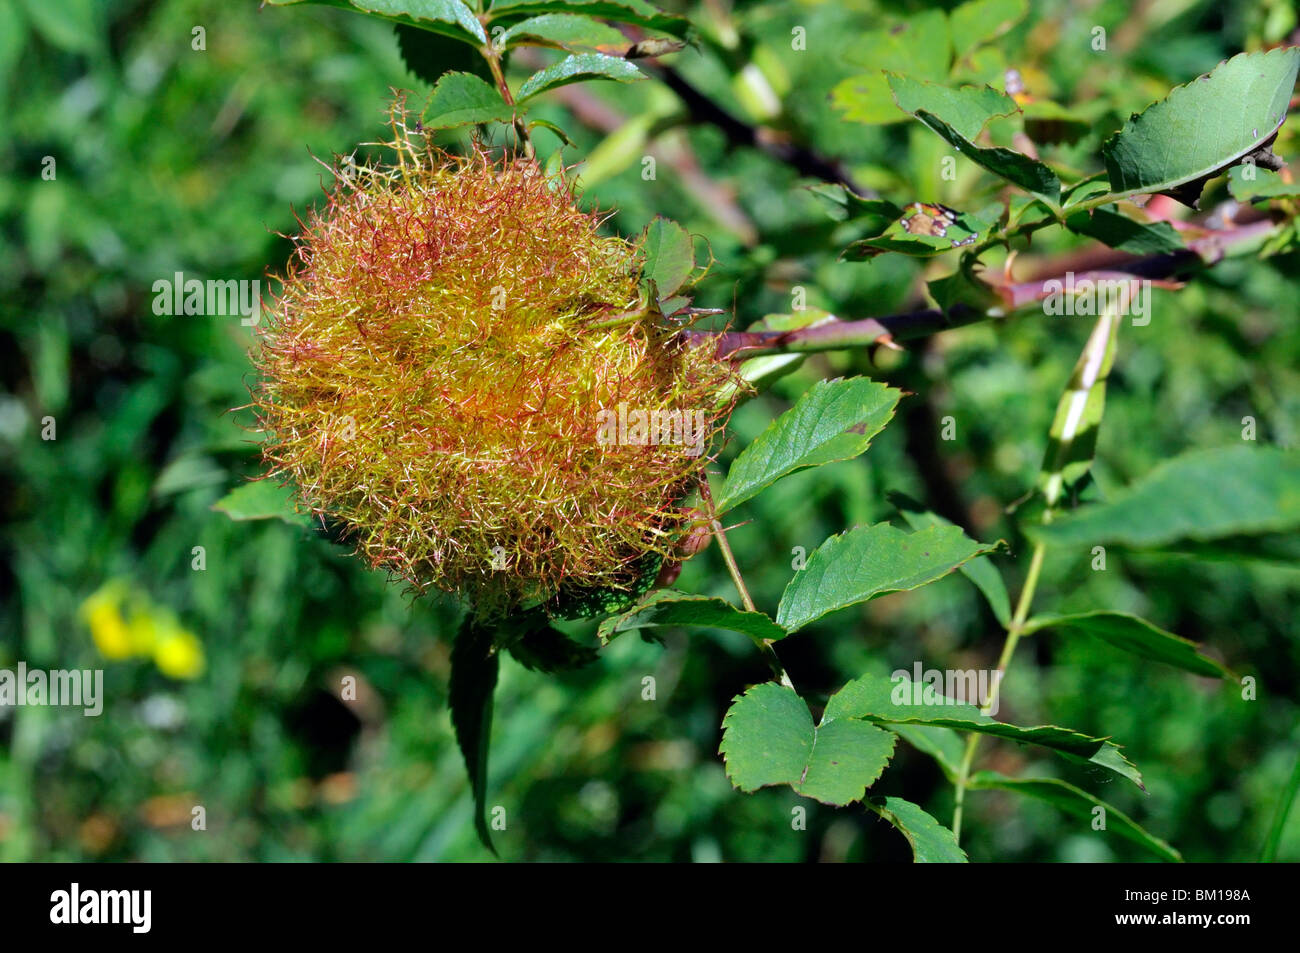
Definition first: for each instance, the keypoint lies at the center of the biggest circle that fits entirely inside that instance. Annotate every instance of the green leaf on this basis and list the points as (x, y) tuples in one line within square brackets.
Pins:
[(942, 744), (932, 843), (542, 648), (1177, 144), (668, 607), (461, 99), (845, 205), (429, 55), (669, 255), (899, 700), (965, 288), (261, 500), (1118, 231), (958, 115), (574, 69), (474, 665), (867, 562), (1135, 635), (563, 30), (1029, 174), (589, 602), (979, 570), (769, 738), (449, 17), (919, 47), (923, 231), (980, 21), (1198, 497), (619, 11), (832, 421), (967, 109), (1264, 184), (1077, 803)]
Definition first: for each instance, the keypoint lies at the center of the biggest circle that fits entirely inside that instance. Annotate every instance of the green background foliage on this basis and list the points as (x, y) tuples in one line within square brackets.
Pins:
[(171, 159)]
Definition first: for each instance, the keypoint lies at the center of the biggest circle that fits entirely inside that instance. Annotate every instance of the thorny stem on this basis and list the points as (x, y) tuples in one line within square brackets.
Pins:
[(764, 645), (833, 335)]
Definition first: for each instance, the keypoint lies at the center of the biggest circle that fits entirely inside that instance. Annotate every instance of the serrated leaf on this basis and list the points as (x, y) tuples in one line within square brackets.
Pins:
[(979, 21), (1262, 185), (565, 30), (832, 421), (1198, 497), (619, 11), (1177, 144), (576, 68), (668, 607), (967, 109), (262, 500), (769, 738), (474, 666), (448, 17), (461, 99), (932, 843), (979, 570), (669, 255), (870, 561), (429, 55), (899, 700), (1135, 635), (1118, 231), (1077, 803)]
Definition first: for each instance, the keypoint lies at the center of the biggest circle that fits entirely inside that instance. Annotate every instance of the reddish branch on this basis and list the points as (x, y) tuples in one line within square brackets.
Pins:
[(1166, 270)]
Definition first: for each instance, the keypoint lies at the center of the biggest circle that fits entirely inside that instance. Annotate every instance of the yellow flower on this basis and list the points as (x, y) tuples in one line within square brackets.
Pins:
[(102, 613), (179, 654), (143, 627)]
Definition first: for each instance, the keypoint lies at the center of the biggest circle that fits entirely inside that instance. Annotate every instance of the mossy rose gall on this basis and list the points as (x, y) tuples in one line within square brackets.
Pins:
[(434, 372)]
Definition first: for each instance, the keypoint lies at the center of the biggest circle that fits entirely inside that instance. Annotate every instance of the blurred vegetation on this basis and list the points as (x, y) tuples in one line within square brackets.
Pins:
[(171, 159)]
